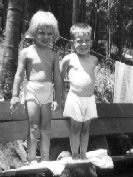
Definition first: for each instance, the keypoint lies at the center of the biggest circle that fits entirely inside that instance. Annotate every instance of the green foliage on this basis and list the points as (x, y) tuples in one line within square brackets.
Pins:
[(120, 19), (104, 83), (118, 14), (113, 15)]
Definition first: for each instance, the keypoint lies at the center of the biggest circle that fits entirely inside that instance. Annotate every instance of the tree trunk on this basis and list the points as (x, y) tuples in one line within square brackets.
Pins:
[(108, 32), (96, 23), (25, 17), (75, 13), (121, 31), (5, 6), (8, 63), (82, 10)]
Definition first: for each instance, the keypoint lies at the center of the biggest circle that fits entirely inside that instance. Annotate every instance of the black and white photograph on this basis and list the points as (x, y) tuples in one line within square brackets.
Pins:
[(81, 53)]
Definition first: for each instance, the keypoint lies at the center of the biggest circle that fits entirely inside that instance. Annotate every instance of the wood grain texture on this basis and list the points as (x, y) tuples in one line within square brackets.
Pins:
[(113, 119)]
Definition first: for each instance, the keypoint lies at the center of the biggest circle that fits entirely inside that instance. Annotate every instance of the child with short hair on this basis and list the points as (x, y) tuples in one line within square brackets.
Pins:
[(80, 104), (41, 64)]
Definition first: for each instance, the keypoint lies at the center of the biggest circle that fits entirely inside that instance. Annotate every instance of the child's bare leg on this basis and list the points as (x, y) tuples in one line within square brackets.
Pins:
[(33, 111), (84, 139), (75, 138), (45, 131)]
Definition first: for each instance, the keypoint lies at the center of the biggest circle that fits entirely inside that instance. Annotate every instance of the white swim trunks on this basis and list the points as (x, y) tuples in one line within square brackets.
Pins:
[(80, 109), (40, 92)]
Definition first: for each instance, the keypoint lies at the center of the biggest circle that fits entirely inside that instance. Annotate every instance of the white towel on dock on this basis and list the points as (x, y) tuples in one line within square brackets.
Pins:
[(98, 157)]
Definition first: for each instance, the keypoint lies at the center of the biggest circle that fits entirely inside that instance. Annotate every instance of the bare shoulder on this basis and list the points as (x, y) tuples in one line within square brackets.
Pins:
[(24, 54), (65, 63), (25, 51), (94, 58), (68, 57)]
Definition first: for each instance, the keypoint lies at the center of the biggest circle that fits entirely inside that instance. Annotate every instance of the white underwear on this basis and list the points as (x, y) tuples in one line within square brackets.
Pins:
[(40, 92), (80, 109)]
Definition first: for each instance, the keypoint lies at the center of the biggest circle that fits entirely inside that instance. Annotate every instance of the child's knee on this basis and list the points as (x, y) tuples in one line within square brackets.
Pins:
[(85, 131), (85, 127), (76, 128), (34, 131)]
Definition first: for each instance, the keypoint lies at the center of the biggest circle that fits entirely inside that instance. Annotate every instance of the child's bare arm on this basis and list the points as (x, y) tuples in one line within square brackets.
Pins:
[(57, 80), (64, 68), (19, 76)]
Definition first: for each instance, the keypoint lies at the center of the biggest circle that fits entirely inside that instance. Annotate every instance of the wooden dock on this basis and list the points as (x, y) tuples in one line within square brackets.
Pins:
[(113, 119)]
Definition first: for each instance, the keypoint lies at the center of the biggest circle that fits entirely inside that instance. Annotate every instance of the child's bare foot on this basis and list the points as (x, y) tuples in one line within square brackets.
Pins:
[(83, 156), (75, 156)]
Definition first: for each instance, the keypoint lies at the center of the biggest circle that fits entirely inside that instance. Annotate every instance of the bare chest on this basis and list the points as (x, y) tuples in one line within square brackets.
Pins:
[(40, 62), (87, 68)]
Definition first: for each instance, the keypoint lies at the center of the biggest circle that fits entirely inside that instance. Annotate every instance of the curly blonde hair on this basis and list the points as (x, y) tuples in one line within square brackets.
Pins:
[(42, 18)]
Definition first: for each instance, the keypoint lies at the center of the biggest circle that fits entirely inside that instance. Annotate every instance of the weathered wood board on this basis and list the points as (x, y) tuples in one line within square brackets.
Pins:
[(113, 118), (40, 169)]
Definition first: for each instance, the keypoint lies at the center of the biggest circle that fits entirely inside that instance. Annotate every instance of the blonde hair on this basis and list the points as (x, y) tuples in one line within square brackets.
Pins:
[(80, 28), (42, 18)]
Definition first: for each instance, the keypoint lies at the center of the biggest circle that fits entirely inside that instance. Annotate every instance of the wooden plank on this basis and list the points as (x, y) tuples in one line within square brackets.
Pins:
[(97, 127), (60, 128), (19, 114), (104, 111), (17, 130), (29, 170), (114, 118), (5, 112), (111, 126), (47, 167), (123, 158), (16, 172), (115, 110), (14, 130)]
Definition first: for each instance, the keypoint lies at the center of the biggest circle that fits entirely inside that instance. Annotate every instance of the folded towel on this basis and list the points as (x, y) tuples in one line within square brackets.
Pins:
[(98, 157)]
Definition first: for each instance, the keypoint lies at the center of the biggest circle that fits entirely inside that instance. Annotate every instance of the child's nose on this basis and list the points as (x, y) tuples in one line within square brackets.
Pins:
[(46, 36), (84, 43)]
